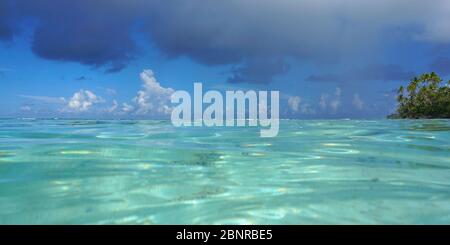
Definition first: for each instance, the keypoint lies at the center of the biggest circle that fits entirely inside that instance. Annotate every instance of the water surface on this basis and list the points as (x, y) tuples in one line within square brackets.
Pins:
[(148, 172)]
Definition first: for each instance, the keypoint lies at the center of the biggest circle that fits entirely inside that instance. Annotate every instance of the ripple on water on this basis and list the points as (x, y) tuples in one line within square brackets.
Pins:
[(338, 151), (133, 172), (77, 152)]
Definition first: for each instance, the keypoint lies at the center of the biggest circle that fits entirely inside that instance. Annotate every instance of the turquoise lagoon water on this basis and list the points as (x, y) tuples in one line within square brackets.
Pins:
[(148, 172)]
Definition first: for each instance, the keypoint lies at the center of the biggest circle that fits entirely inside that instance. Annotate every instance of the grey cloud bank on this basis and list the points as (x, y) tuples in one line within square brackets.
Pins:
[(249, 34)]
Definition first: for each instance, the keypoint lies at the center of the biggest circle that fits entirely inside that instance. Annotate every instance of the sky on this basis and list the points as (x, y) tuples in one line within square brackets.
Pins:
[(123, 59)]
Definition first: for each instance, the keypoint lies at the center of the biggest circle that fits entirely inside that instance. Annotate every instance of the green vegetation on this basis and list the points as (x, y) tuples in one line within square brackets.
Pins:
[(426, 96)]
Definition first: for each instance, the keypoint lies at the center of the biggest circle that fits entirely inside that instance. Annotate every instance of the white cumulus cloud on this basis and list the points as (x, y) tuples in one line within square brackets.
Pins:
[(298, 105), (357, 102), (323, 101), (152, 99), (294, 103), (82, 101), (336, 102), (126, 108), (333, 103), (113, 107)]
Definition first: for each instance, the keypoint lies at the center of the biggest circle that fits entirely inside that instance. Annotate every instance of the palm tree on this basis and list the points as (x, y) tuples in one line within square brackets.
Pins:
[(425, 97)]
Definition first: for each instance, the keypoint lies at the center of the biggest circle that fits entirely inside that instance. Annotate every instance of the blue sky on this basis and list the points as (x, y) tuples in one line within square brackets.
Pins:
[(117, 59)]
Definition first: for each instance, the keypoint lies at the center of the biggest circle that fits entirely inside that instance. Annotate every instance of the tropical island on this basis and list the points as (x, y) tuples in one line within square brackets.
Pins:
[(426, 96)]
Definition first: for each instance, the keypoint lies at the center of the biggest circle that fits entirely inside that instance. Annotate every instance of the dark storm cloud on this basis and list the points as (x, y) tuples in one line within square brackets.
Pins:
[(97, 47), (224, 32), (97, 33), (441, 65), (388, 72), (7, 29), (258, 71)]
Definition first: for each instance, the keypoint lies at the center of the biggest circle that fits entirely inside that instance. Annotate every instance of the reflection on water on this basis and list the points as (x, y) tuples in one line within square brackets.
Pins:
[(343, 171)]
